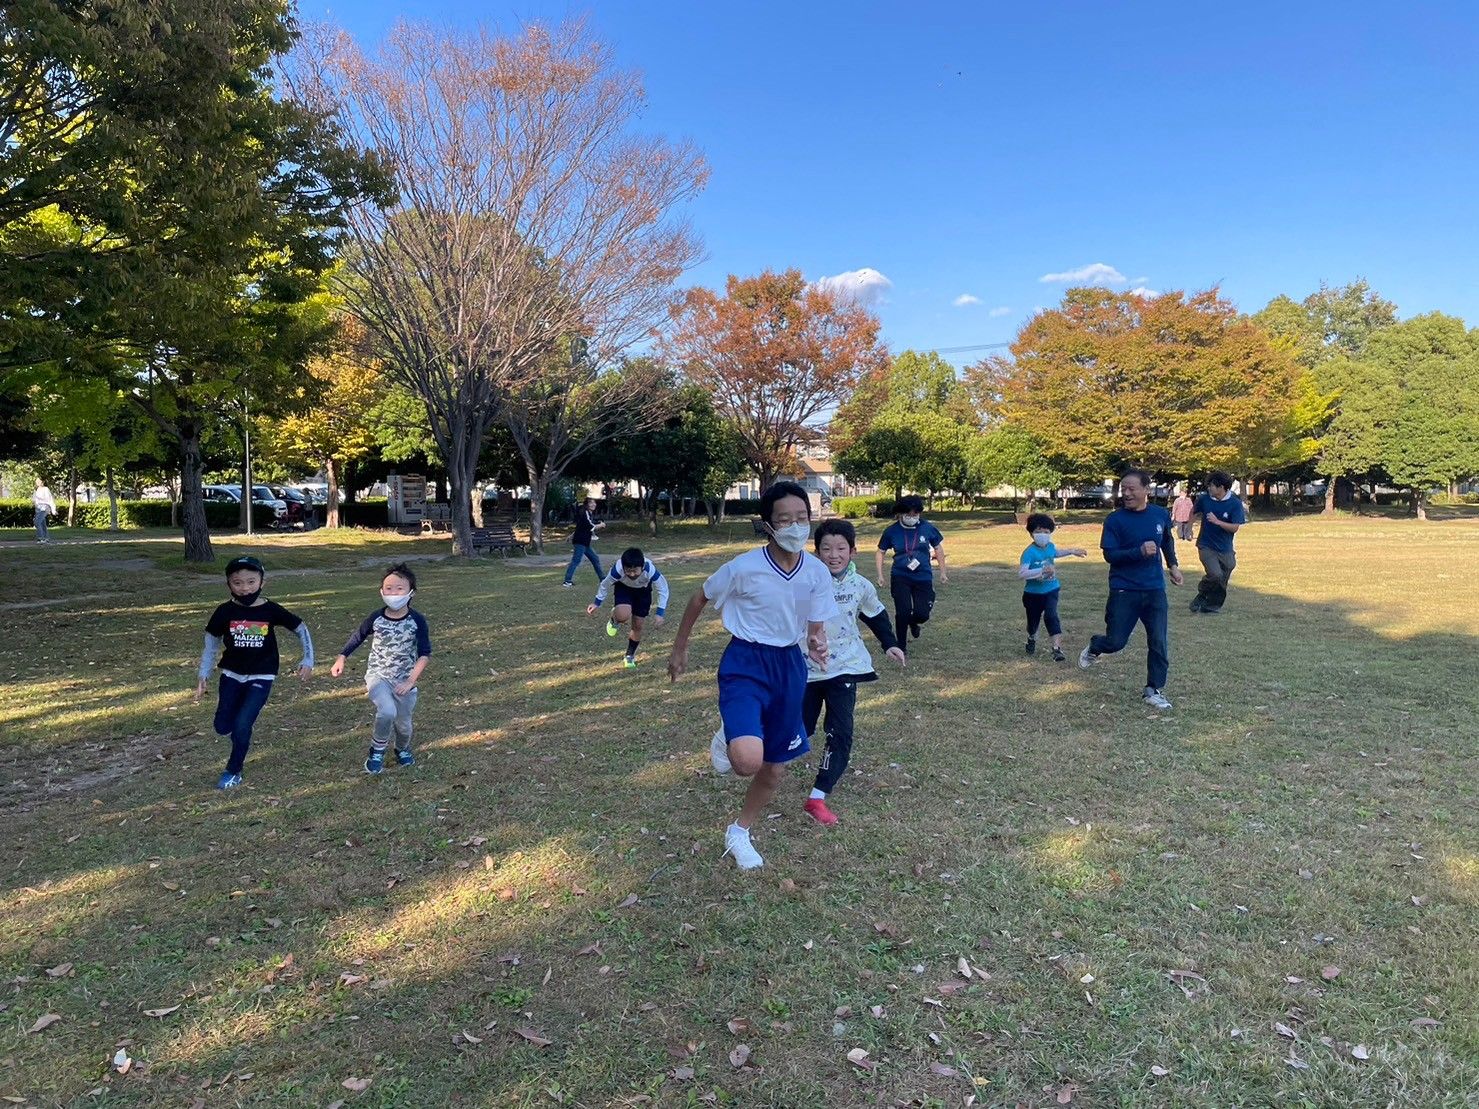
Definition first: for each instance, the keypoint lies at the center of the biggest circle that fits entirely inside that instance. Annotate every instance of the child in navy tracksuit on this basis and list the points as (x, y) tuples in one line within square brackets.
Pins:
[(771, 600), (1038, 570), (835, 684), (400, 650), (245, 627), (634, 578)]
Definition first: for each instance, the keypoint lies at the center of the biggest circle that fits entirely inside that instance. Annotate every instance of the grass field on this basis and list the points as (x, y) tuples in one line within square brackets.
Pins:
[(1268, 896)]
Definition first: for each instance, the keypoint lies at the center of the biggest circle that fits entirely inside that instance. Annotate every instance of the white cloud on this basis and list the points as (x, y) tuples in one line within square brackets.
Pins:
[(1096, 273), (965, 300), (996, 313), (866, 286), (1142, 291)]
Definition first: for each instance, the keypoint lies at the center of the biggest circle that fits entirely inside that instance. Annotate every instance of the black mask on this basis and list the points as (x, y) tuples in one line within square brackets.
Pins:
[(248, 600)]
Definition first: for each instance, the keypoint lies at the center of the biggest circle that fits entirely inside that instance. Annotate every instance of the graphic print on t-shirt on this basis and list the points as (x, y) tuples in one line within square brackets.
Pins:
[(248, 633)]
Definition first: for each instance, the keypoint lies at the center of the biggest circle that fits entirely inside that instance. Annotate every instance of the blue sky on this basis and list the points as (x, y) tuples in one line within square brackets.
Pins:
[(970, 149)]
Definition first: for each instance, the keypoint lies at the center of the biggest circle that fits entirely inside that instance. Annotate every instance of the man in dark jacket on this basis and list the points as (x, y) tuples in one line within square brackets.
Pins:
[(583, 540)]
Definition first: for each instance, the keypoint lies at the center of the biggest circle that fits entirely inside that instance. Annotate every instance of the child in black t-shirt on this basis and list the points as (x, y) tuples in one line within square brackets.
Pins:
[(244, 626)]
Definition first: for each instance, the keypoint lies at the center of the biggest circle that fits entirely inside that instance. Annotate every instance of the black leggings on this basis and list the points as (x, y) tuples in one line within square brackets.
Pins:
[(840, 695), (1042, 607), (912, 603)]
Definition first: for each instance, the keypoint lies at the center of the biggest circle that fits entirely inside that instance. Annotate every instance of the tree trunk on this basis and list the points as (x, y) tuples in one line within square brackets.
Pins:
[(477, 505), (192, 467), (1294, 487), (112, 501), (331, 505), (1420, 503), (246, 486), (351, 481), (72, 494), (538, 490), (461, 482), (174, 501)]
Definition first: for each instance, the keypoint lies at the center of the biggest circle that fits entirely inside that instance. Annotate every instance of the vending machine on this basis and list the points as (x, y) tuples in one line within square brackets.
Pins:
[(406, 504)]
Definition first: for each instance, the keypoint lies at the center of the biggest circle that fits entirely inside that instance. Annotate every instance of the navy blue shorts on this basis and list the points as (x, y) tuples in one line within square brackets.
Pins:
[(639, 599), (761, 691)]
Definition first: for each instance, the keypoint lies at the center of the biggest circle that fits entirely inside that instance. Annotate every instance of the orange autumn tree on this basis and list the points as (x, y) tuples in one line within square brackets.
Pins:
[(1173, 383), (775, 354)]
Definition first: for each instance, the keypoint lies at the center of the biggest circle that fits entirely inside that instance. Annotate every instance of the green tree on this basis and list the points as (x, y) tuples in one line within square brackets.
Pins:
[(1010, 456)]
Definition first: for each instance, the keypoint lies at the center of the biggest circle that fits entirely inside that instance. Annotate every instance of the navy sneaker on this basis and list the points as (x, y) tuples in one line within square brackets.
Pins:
[(228, 780), (375, 763), (1032, 644), (404, 758)]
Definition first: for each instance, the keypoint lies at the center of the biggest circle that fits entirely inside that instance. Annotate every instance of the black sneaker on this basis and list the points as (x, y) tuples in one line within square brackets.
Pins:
[(1058, 655), (914, 630), (1031, 645), (1210, 610), (1198, 603)]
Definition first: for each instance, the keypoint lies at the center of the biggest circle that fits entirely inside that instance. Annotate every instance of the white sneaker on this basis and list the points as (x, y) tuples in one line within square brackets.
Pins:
[(567, 585), (1156, 699), (1086, 659), (719, 754), (737, 843)]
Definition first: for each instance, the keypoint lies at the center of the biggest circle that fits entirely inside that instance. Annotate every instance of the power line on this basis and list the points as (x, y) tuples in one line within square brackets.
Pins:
[(966, 350)]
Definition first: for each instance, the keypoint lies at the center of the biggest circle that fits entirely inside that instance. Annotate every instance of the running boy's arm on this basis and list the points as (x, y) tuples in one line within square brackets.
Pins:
[(209, 652), (678, 658), (878, 558), (305, 667), (660, 583), (358, 636)]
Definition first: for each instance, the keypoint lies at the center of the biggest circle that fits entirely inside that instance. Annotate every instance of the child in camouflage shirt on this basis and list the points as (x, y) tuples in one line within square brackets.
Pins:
[(398, 656)]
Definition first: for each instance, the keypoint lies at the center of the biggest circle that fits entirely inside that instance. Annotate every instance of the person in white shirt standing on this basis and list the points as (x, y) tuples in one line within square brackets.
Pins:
[(770, 600), (45, 506)]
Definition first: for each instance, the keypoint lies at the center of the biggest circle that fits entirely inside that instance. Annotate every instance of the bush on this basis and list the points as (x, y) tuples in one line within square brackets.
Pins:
[(134, 514), (372, 512)]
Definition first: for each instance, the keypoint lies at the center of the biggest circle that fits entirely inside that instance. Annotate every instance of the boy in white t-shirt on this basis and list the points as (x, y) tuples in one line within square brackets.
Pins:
[(770, 599), (835, 685)]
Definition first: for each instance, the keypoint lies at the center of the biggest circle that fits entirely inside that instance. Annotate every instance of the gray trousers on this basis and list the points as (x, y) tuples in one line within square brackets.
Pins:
[(1212, 590), (392, 715)]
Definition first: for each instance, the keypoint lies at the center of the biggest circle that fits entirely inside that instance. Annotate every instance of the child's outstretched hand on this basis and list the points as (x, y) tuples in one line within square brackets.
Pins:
[(658, 621), (590, 610), (898, 655), (677, 662), (199, 690), (338, 667), (817, 649), (305, 672), (402, 688)]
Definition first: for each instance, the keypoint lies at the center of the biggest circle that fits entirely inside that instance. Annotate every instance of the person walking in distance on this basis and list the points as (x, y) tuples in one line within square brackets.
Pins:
[(583, 541), (1181, 513), (1135, 539), (1222, 515), (45, 506)]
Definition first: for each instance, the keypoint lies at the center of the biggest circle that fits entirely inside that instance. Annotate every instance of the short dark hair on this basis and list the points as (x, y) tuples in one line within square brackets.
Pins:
[(1040, 521), (837, 526), (401, 570), (778, 490), (1141, 475), (1220, 477), (908, 503), (633, 557)]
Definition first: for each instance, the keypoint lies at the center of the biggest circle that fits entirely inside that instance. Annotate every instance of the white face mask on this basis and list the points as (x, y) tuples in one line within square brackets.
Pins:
[(396, 600), (793, 537), (910, 521), (1042, 538)]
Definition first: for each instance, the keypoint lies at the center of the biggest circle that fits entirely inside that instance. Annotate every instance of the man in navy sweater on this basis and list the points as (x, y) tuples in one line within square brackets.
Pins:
[(1134, 540)]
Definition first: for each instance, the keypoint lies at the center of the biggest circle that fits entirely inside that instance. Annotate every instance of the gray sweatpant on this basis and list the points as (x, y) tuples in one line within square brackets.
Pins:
[(392, 715)]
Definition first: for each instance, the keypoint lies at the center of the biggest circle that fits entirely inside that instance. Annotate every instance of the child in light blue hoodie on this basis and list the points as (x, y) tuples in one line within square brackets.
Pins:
[(1039, 571)]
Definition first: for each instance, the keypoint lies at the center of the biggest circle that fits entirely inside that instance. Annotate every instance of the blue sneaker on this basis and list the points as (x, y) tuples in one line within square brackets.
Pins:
[(404, 758), (375, 763), (228, 781)]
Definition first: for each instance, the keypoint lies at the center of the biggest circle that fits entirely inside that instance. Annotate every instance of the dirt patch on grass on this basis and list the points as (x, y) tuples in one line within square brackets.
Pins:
[(80, 770)]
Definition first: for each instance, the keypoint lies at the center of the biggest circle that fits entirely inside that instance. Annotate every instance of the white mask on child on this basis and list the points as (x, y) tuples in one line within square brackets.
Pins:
[(1042, 538), (909, 521), (396, 600), (792, 538)]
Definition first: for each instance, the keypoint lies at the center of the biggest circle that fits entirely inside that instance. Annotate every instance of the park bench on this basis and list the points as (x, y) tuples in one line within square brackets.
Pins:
[(497, 536)]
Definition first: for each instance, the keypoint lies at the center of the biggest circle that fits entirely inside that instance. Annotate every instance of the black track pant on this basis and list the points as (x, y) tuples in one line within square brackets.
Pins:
[(913, 601), (840, 696)]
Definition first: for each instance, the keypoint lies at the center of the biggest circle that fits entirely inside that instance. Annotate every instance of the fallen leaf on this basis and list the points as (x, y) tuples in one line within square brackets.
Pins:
[(738, 1026), (511, 959), (470, 1038), (1330, 974), (1294, 980), (628, 901), (1426, 1022), (171, 886), (506, 894), (382, 983), (963, 967), (590, 949), (1361, 1051), (548, 974), (160, 1012), (842, 1012), (45, 1021), (1296, 1063), (1159, 1072), (533, 1037), (877, 1011), (1086, 980), (121, 1062), (1066, 1092), (886, 930), (1306, 874), (60, 971), (682, 1074), (349, 978), (943, 1071), (859, 1058), (808, 945), (739, 1056), (788, 886), (1285, 1031), (356, 1085)]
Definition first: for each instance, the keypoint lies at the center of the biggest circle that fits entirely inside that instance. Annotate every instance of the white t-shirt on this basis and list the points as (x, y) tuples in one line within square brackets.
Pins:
[(761, 603), (847, 653)]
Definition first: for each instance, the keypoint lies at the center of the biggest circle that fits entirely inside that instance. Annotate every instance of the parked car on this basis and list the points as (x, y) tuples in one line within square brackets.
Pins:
[(261, 494)]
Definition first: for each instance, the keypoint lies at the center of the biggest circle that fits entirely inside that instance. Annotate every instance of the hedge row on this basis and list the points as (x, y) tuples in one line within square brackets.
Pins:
[(134, 514)]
